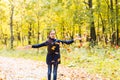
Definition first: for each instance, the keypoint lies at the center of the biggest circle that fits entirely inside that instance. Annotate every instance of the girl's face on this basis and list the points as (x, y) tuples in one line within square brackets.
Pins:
[(52, 34)]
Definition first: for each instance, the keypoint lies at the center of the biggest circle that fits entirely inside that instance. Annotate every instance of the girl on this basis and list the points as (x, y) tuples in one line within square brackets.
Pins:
[(53, 55)]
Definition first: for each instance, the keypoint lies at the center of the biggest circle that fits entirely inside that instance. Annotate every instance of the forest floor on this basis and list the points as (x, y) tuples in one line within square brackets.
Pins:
[(25, 69)]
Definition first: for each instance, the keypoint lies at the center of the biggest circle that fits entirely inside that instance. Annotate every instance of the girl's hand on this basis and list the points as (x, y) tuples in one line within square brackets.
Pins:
[(24, 47), (28, 47), (77, 38)]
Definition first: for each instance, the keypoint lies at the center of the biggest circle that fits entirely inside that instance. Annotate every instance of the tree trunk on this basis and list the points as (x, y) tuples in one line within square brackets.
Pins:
[(98, 28), (117, 23), (38, 33), (112, 16), (79, 30), (29, 34), (11, 27), (92, 27), (18, 33), (108, 16), (5, 39), (103, 25), (1, 32), (63, 30)]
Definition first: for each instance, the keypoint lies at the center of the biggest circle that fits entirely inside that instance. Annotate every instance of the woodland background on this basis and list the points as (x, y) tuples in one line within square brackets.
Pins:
[(27, 22), (24, 22)]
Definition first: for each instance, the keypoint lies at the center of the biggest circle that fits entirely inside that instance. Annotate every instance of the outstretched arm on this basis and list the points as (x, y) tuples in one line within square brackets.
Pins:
[(39, 45), (70, 41), (67, 41), (36, 45)]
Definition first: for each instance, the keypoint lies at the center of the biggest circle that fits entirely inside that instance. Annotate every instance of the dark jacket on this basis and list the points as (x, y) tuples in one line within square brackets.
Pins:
[(53, 49)]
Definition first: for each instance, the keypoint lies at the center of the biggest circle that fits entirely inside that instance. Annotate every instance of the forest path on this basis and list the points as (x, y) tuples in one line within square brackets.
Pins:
[(25, 69)]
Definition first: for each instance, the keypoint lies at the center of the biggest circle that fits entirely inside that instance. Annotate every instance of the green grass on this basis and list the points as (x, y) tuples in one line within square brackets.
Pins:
[(27, 54), (102, 61)]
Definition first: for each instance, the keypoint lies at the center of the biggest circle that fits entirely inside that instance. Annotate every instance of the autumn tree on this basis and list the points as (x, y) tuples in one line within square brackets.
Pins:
[(11, 24), (92, 25)]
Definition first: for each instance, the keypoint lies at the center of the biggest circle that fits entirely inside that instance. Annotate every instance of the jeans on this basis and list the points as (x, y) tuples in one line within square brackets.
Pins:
[(55, 67)]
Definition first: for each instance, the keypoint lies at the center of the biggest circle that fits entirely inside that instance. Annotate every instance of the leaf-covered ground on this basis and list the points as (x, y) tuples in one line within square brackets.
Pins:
[(24, 69)]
